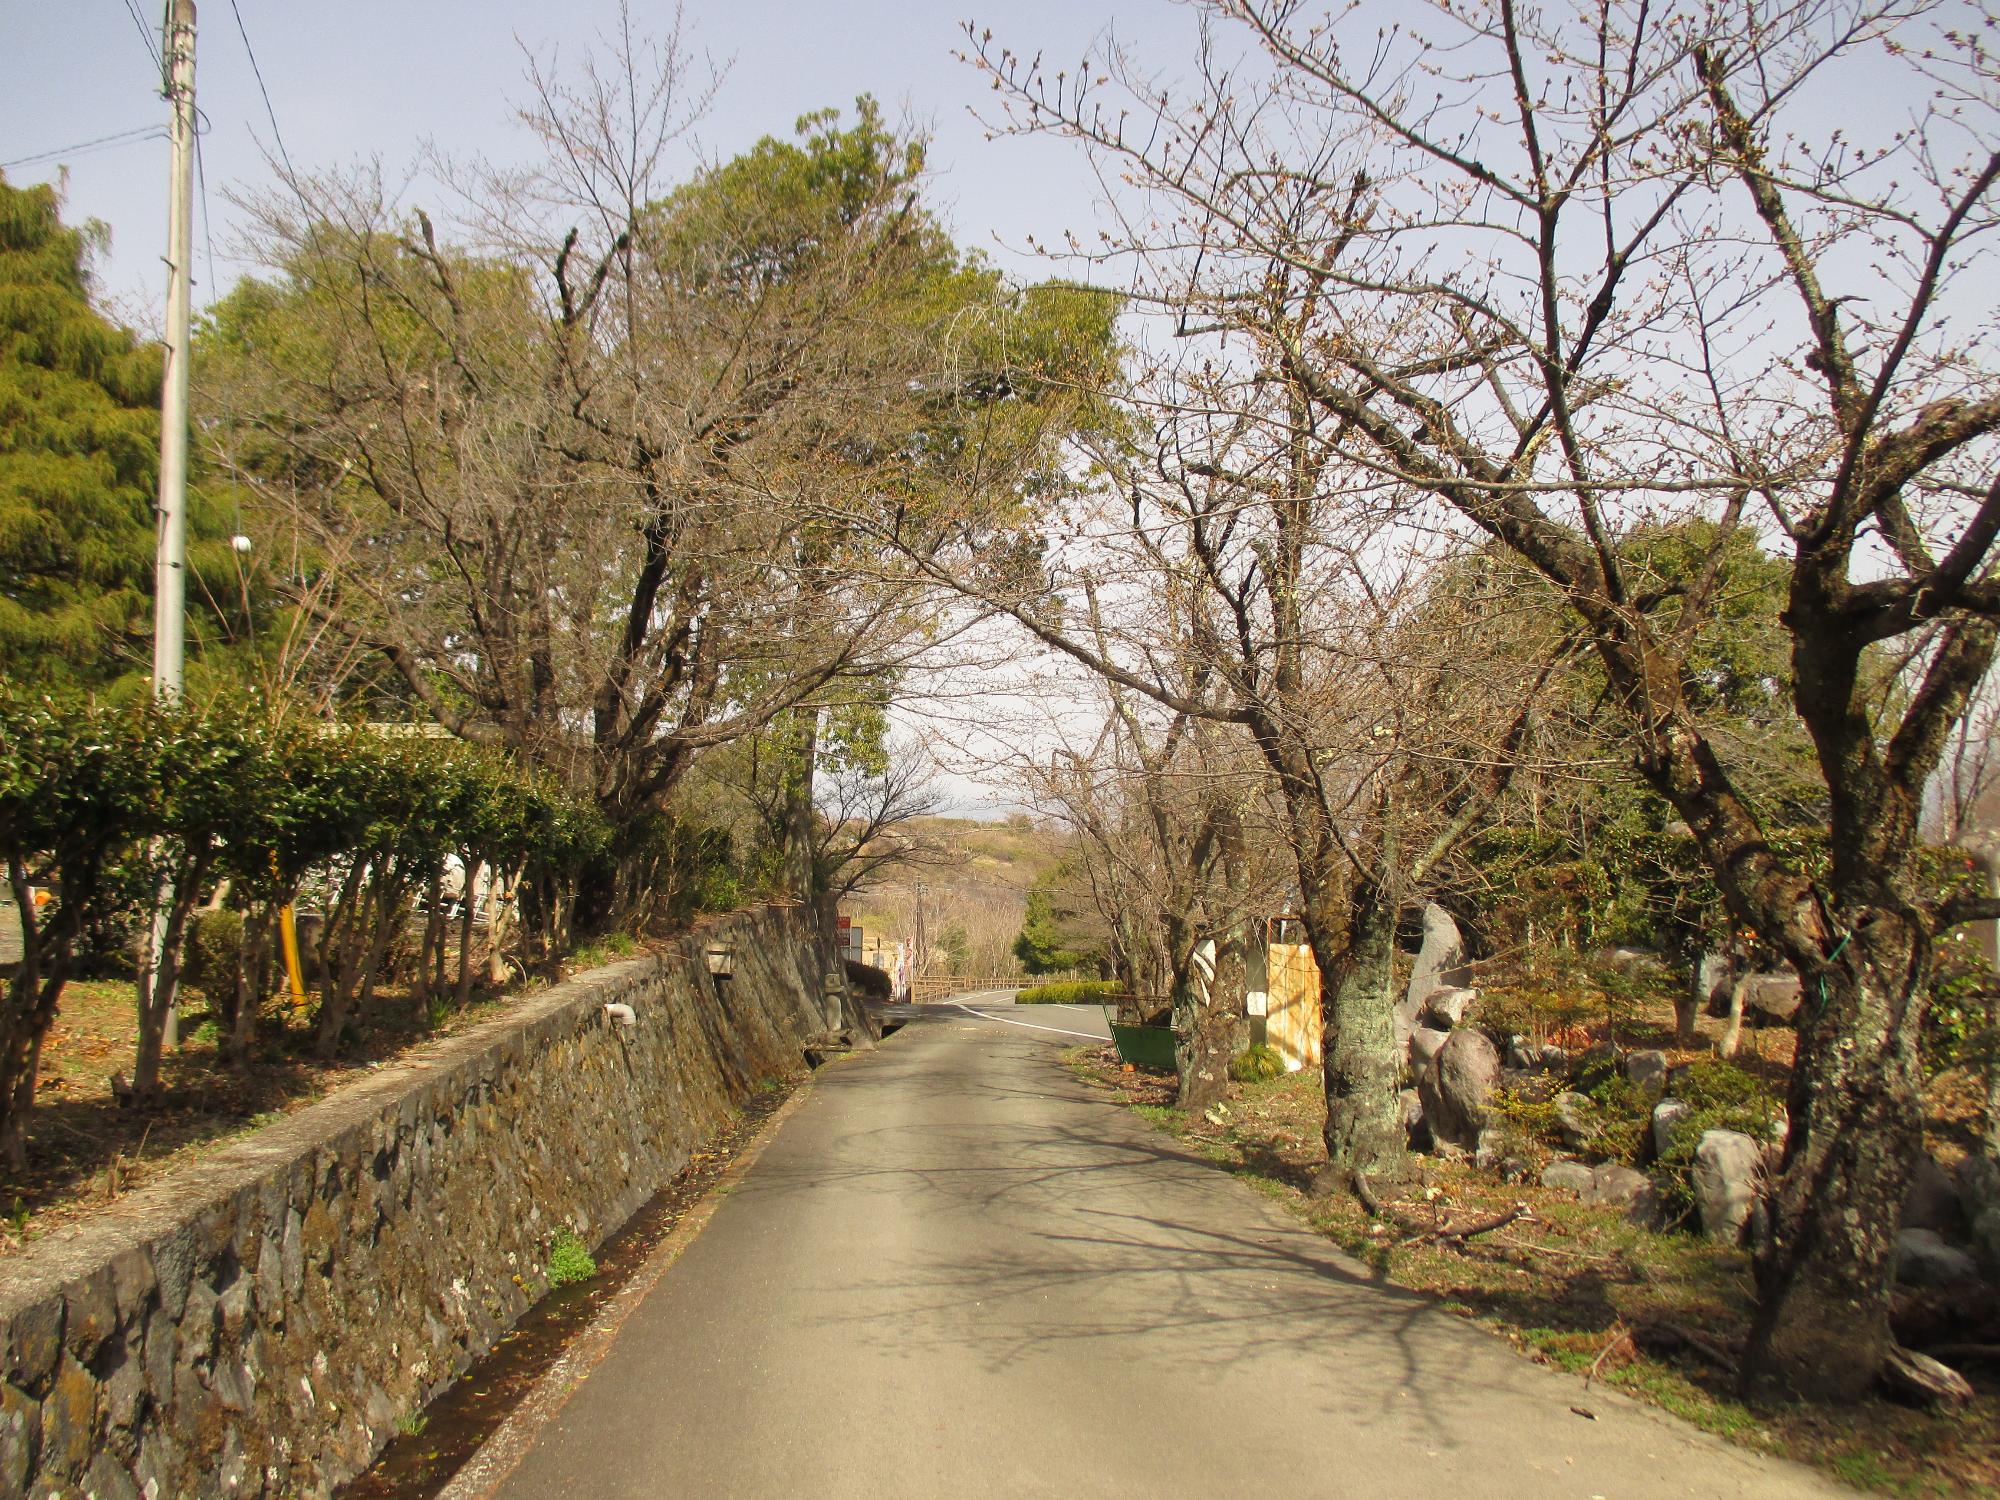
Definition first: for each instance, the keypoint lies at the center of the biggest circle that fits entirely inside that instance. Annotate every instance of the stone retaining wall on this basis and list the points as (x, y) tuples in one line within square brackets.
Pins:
[(257, 1322)]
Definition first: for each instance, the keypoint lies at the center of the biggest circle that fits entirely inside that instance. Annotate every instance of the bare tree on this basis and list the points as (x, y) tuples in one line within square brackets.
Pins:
[(1567, 271), (1165, 805), (1237, 568), (1968, 773), (574, 467), (860, 824)]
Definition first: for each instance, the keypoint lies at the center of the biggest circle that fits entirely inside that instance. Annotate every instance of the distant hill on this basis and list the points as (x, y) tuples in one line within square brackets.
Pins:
[(967, 893)]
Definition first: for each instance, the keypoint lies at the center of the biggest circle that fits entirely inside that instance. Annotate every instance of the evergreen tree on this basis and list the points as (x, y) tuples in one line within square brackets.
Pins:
[(1052, 940), (79, 455)]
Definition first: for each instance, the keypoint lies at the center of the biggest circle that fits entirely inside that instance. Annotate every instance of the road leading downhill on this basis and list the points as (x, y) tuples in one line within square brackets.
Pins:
[(955, 1271)]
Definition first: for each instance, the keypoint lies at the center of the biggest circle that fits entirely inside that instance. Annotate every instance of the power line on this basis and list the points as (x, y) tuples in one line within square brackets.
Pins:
[(258, 73), (120, 138), (81, 148), (201, 177), (146, 36)]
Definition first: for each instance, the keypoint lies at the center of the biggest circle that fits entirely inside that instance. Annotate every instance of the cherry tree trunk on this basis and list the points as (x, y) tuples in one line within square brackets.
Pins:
[(1205, 1027), (1823, 1270), (801, 877), (1364, 1127)]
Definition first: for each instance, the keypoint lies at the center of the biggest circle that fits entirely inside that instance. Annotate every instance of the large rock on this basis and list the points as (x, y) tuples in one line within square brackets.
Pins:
[(1569, 1176), (1628, 959), (1770, 999), (1615, 1186), (1456, 1086), (1693, 997), (1576, 1118), (1648, 1069), (1924, 1259), (1607, 1186), (1440, 956), (1725, 1182), (1439, 965), (1524, 1056), (1425, 1044), (1711, 979), (1718, 999), (1978, 1181), (1412, 1108), (1666, 1114), (1986, 1241), (1931, 1200), (1445, 1008)]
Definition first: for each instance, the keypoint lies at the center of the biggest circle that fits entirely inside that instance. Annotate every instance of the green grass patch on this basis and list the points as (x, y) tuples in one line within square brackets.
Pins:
[(569, 1260), (1257, 1063), (1166, 1117), (1863, 1469), (599, 951)]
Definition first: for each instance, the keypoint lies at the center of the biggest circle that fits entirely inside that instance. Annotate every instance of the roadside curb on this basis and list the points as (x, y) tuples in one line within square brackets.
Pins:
[(496, 1459)]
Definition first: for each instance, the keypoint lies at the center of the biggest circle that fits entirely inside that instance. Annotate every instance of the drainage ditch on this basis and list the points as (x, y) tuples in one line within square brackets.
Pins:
[(420, 1462)]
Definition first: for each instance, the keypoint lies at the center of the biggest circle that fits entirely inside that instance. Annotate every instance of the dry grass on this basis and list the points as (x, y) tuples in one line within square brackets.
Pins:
[(1578, 1288)]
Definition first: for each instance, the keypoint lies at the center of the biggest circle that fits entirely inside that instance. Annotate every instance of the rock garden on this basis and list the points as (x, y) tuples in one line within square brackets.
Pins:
[(1674, 1137), (1584, 1175)]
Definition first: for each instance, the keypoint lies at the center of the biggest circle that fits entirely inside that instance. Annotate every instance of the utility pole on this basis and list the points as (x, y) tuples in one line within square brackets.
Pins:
[(170, 560), (170, 556)]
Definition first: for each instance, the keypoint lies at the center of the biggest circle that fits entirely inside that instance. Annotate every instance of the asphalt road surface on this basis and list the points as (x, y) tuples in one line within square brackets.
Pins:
[(957, 1271), (1068, 1024)]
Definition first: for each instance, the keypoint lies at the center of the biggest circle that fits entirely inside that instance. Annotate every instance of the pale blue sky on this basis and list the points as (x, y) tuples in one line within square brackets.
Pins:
[(376, 77)]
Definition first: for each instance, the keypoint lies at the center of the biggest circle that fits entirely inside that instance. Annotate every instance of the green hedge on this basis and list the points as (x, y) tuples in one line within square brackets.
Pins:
[(102, 803), (1071, 992)]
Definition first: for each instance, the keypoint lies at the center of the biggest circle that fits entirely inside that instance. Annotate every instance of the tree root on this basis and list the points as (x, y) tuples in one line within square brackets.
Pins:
[(1965, 1351), (1625, 1340), (1560, 1253), (1447, 1232), (1367, 1196), (1674, 1334), (1620, 1342), (1458, 1234), (1920, 1378)]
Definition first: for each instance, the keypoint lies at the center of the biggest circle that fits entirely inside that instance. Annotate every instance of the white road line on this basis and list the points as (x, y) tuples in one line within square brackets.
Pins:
[(1088, 1036)]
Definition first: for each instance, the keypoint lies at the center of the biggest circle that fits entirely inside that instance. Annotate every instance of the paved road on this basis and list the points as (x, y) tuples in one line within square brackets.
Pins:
[(955, 1271), (1069, 1023)]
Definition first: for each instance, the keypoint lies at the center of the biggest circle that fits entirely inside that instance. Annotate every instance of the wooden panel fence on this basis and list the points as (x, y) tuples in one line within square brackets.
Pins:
[(938, 986), (1291, 1023)]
